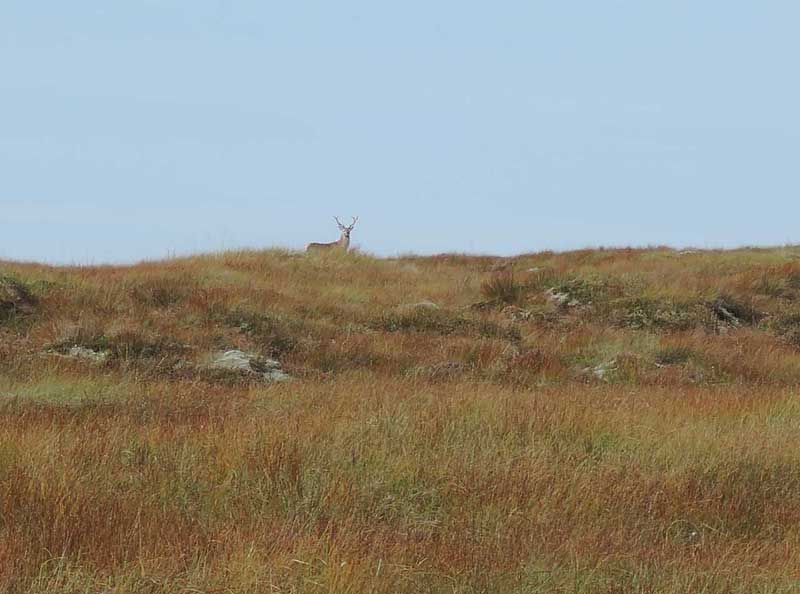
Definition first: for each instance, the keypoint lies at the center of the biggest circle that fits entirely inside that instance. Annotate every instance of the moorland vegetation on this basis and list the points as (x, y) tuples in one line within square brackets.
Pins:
[(598, 421)]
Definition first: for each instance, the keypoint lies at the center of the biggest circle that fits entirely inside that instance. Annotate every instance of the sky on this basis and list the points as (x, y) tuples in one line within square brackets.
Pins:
[(151, 128)]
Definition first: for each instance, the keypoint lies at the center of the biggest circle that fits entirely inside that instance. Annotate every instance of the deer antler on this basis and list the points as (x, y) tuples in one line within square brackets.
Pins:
[(349, 227)]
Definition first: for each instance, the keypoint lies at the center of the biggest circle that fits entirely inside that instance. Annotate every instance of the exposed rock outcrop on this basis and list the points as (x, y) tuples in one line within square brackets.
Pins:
[(234, 360), (96, 357)]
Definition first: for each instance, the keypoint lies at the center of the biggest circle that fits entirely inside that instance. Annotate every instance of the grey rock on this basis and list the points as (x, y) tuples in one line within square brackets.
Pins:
[(728, 316), (424, 304), (603, 370), (276, 375), (561, 299), (235, 360), (517, 314), (96, 357)]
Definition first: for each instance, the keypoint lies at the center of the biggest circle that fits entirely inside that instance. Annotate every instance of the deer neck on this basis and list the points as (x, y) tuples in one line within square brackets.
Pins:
[(344, 242)]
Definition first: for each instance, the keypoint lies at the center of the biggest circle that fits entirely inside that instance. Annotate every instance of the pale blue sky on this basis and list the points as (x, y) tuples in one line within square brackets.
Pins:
[(144, 128)]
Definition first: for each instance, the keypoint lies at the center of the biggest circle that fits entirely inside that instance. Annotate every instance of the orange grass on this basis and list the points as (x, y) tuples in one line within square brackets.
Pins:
[(520, 469)]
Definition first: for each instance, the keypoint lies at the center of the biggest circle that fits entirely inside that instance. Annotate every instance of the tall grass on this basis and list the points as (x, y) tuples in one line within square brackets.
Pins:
[(457, 449)]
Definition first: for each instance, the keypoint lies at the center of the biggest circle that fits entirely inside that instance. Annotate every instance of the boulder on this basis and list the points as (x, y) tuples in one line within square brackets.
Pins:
[(96, 357), (234, 360)]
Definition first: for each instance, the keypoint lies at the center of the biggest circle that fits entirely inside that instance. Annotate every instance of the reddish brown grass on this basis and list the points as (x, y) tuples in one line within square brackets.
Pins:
[(451, 450)]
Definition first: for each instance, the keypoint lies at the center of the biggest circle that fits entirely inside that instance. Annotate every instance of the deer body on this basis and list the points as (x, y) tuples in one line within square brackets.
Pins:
[(344, 241)]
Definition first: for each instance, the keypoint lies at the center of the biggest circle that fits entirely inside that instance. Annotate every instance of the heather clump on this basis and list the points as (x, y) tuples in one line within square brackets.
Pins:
[(122, 344), (163, 290), (440, 322), (16, 299), (660, 314), (735, 310), (673, 355), (502, 288), (270, 332)]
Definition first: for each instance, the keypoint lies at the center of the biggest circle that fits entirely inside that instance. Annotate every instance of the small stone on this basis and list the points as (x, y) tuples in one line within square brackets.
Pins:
[(724, 313), (603, 370), (424, 304), (559, 299), (277, 375), (516, 313)]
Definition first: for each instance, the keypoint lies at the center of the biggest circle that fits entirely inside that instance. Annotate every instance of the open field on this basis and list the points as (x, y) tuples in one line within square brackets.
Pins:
[(601, 421)]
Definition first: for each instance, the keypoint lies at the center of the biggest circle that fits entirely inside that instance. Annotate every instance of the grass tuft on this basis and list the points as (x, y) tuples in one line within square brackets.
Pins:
[(502, 288), (16, 298), (673, 355), (736, 310)]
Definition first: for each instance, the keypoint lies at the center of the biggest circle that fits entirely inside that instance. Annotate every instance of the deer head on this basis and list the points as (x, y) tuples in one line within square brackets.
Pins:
[(346, 229)]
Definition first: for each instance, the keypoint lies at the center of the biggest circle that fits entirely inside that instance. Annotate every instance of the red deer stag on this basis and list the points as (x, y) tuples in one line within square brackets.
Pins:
[(343, 243)]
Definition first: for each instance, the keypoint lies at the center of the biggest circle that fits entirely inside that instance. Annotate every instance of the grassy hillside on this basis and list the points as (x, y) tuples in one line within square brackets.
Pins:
[(595, 421)]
